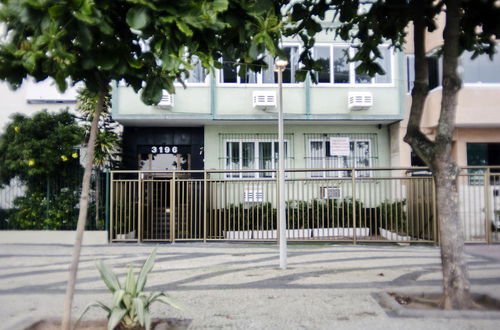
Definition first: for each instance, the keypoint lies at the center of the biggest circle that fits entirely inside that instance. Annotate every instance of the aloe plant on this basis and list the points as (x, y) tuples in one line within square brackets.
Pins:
[(130, 306)]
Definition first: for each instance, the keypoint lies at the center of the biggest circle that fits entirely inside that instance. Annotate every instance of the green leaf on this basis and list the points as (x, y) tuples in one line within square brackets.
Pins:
[(139, 309), (184, 28), (168, 301), (146, 268), (220, 5), (108, 276), (147, 319), (116, 316), (137, 17), (56, 11), (130, 281), (117, 297), (89, 306)]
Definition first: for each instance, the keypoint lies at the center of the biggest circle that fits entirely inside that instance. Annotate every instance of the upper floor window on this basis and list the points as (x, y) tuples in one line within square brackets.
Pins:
[(481, 69), (198, 73), (230, 71), (334, 67)]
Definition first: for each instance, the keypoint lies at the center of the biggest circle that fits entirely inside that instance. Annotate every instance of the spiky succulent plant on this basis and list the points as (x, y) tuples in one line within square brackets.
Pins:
[(130, 306)]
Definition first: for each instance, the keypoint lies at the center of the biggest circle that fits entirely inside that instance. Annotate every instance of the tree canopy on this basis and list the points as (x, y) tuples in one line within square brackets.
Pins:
[(148, 44), (39, 147)]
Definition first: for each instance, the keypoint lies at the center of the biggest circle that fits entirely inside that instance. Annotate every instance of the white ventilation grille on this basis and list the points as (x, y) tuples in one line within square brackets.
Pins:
[(331, 192), (359, 100), (264, 99), (167, 101), (253, 195)]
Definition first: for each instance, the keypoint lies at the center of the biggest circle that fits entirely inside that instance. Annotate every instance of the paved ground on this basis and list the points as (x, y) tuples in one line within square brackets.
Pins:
[(237, 286)]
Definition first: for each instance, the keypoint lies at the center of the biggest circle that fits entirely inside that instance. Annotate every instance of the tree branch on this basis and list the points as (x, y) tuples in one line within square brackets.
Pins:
[(419, 142)]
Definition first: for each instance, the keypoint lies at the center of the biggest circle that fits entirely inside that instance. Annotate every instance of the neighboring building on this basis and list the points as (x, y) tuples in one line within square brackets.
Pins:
[(32, 97), (224, 121), (477, 135)]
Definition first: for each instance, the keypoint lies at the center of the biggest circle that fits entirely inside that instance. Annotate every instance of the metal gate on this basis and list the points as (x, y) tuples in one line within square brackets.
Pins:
[(327, 205)]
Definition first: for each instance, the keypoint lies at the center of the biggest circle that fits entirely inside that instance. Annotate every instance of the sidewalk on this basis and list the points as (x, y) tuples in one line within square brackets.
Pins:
[(239, 286)]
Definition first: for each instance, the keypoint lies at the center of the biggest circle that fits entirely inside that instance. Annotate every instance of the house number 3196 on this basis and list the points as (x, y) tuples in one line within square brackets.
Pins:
[(164, 150)]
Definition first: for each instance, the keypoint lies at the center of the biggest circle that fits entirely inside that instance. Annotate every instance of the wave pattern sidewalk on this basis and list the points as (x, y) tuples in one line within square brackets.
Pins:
[(239, 286)]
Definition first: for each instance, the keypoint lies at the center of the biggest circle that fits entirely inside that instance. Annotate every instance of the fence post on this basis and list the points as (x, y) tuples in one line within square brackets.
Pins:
[(434, 212), (278, 226), (106, 203), (205, 177), (353, 178), (487, 206), (140, 193), (172, 208), (111, 220)]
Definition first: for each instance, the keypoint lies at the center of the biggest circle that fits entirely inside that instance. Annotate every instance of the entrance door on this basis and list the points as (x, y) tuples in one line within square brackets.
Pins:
[(157, 189)]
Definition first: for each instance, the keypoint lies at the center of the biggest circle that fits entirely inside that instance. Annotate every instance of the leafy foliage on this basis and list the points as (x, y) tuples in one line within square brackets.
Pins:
[(107, 148), (39, 148), (146, 44), (131, 305), (368, 25)]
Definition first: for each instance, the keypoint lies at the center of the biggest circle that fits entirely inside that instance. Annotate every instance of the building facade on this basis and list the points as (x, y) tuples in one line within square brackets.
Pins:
[(226, 121)]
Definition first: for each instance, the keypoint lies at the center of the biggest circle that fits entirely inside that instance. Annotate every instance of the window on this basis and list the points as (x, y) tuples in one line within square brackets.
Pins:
[(320, 157), (335, 68), (483, 154), (481, 69), (197, 74), (434, 66), (229, 72), (252, 155)]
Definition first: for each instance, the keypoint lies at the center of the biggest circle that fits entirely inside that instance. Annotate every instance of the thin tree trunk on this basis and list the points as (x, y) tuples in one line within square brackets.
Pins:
[(456, 286), (97, 190), (82, 216)]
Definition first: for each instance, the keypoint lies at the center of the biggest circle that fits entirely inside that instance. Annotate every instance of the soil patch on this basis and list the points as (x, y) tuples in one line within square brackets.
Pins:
[(429, 305), (159, 324)]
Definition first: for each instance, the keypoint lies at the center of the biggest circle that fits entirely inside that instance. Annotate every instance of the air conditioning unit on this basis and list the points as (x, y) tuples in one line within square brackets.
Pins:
[(167, 101), (331, 192), (264, 99), (359, 100)]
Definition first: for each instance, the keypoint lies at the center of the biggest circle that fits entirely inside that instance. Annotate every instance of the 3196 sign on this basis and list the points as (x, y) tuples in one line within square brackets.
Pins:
[(164, 149)]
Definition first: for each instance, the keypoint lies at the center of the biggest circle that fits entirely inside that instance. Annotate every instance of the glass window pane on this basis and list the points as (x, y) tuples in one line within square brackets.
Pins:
[(229, 72), (410, 72), (362, 78), (250, 77), (268, 75), (322, 54), (385, 63), (233, 157), (292, 54), (265, 158), (481, 69), (197, 74), (248, 155), (340, 65)]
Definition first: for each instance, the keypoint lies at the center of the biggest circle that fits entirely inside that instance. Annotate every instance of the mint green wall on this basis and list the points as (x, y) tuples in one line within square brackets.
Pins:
[(214, 148)]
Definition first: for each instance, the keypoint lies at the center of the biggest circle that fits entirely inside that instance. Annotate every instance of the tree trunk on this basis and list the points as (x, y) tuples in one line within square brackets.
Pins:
[(82, 216), (437, 154), (456, 286)]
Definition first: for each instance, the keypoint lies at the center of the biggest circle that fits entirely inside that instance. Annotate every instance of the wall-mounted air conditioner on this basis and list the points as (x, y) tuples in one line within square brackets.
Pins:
[(359, 100), (264, 99), (167, 101)]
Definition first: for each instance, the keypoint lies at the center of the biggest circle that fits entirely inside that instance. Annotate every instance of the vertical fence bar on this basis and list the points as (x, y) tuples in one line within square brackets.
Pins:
[(111, 206), (353, 173), (205, 193), (140, 205), (487, 206), (173, 208)]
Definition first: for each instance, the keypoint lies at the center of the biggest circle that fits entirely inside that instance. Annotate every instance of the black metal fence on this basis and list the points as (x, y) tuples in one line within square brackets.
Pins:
[(57, 207)]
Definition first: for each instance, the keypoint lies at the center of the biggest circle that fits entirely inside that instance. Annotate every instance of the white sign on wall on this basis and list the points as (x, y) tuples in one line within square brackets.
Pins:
[(339, 146)]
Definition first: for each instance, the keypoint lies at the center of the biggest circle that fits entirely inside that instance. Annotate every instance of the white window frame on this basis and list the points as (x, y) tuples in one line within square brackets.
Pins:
[(352, 68), (194, 84), (256, 157), (478, 83), (221, 83), (335, 174)]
